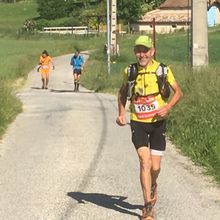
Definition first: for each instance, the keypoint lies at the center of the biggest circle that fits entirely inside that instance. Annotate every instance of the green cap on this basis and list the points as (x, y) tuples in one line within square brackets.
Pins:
[(144, 41)]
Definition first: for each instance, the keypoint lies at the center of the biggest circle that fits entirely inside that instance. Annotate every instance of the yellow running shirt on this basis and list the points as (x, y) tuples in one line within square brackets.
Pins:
[(144, 106)]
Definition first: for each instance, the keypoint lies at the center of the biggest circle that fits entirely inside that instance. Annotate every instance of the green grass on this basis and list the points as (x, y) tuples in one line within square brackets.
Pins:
[(194, 124), (12, 16), (10, 105), (13, 62)]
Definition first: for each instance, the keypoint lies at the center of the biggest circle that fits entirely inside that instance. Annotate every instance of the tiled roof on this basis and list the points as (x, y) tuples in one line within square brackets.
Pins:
[(164, 16), (168, 4), (171, 11)]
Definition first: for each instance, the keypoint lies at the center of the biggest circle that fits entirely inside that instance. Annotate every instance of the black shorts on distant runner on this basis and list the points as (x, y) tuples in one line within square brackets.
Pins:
[(77, 71), (150, 135)]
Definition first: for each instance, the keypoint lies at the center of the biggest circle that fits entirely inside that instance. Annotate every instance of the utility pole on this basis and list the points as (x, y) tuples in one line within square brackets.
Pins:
[(199, 33), (114, 28), (154, 35), (108, 37)]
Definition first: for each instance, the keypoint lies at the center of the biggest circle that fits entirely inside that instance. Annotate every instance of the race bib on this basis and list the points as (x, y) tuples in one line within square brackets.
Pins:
[(145, 107)]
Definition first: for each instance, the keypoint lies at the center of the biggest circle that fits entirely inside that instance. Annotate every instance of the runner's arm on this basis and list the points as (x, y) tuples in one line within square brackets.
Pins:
[(122, 99), (39, 65), (71, 61), (52, 63), (82, 63), (173, 101)]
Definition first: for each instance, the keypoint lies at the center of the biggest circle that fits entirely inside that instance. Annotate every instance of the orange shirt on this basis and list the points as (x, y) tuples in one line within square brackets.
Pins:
[(45, 61)]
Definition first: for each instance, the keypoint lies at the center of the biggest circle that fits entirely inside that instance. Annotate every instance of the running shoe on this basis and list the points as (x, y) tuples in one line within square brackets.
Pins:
[(147, 212)]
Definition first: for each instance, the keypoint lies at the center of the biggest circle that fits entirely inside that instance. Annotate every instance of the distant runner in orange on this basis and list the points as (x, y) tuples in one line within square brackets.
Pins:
[(45, 64)]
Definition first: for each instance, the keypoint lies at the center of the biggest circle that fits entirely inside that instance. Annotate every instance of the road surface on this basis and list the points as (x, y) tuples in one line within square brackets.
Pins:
[(64, 158)]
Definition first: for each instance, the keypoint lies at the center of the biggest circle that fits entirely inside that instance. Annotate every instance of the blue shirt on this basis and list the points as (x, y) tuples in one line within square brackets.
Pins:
[(77, 62)]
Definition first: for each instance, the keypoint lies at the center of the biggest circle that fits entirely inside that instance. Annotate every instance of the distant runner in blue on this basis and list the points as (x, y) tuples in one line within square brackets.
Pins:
[(77, 62)]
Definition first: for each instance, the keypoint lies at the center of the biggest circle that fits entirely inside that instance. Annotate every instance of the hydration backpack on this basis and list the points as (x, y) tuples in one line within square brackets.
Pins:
[(161, 74)]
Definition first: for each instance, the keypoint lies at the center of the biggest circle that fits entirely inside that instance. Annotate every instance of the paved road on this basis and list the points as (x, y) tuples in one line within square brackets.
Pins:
[(64, 158)]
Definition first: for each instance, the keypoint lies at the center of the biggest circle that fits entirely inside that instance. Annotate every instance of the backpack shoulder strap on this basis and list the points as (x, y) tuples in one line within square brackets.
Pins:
[(132, 71), (81, 58), (132, 75), (163, 85), (162, 70)]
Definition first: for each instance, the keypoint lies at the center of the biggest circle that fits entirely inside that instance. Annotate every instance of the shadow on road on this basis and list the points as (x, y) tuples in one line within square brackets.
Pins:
[(116, 203), (68, 90), (61, 90), (33, 87)]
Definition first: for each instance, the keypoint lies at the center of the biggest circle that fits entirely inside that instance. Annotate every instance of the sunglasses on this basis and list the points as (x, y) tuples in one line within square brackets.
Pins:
[(140, 48)]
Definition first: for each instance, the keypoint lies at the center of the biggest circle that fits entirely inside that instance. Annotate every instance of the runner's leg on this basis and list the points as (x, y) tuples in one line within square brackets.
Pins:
[(140, 138), (145, 178), (155, 168), (47, 80), (75, 81), (155, 171), (78, 78), (158, 146), (145, 171), (43, 79)]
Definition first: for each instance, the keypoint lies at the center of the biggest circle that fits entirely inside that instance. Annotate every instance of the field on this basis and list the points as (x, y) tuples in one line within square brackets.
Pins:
[(194, 123)]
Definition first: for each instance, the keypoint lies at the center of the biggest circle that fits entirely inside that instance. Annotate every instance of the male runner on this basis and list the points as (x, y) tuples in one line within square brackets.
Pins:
[(77, 62), (149, 110)]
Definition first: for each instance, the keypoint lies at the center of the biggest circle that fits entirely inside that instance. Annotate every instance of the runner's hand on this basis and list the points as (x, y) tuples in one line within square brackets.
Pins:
[(120, 120), (38, 68), (163, 112)]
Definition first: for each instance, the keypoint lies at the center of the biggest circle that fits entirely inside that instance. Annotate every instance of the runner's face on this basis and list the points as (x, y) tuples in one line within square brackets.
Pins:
[(143, 54)]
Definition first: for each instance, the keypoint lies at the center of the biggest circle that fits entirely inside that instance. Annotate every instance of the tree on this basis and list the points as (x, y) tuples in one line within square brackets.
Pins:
[(151, 5), (9, 1), (155, 3), (52, 9), (129, 10), (95, 15)]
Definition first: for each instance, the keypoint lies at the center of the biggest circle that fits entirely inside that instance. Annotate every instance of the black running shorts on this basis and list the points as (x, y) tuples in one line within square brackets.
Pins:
[(77, 71), (150, 135)]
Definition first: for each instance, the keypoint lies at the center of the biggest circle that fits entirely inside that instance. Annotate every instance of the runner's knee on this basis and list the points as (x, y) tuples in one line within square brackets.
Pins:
[(155, 169), (145, 164)]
